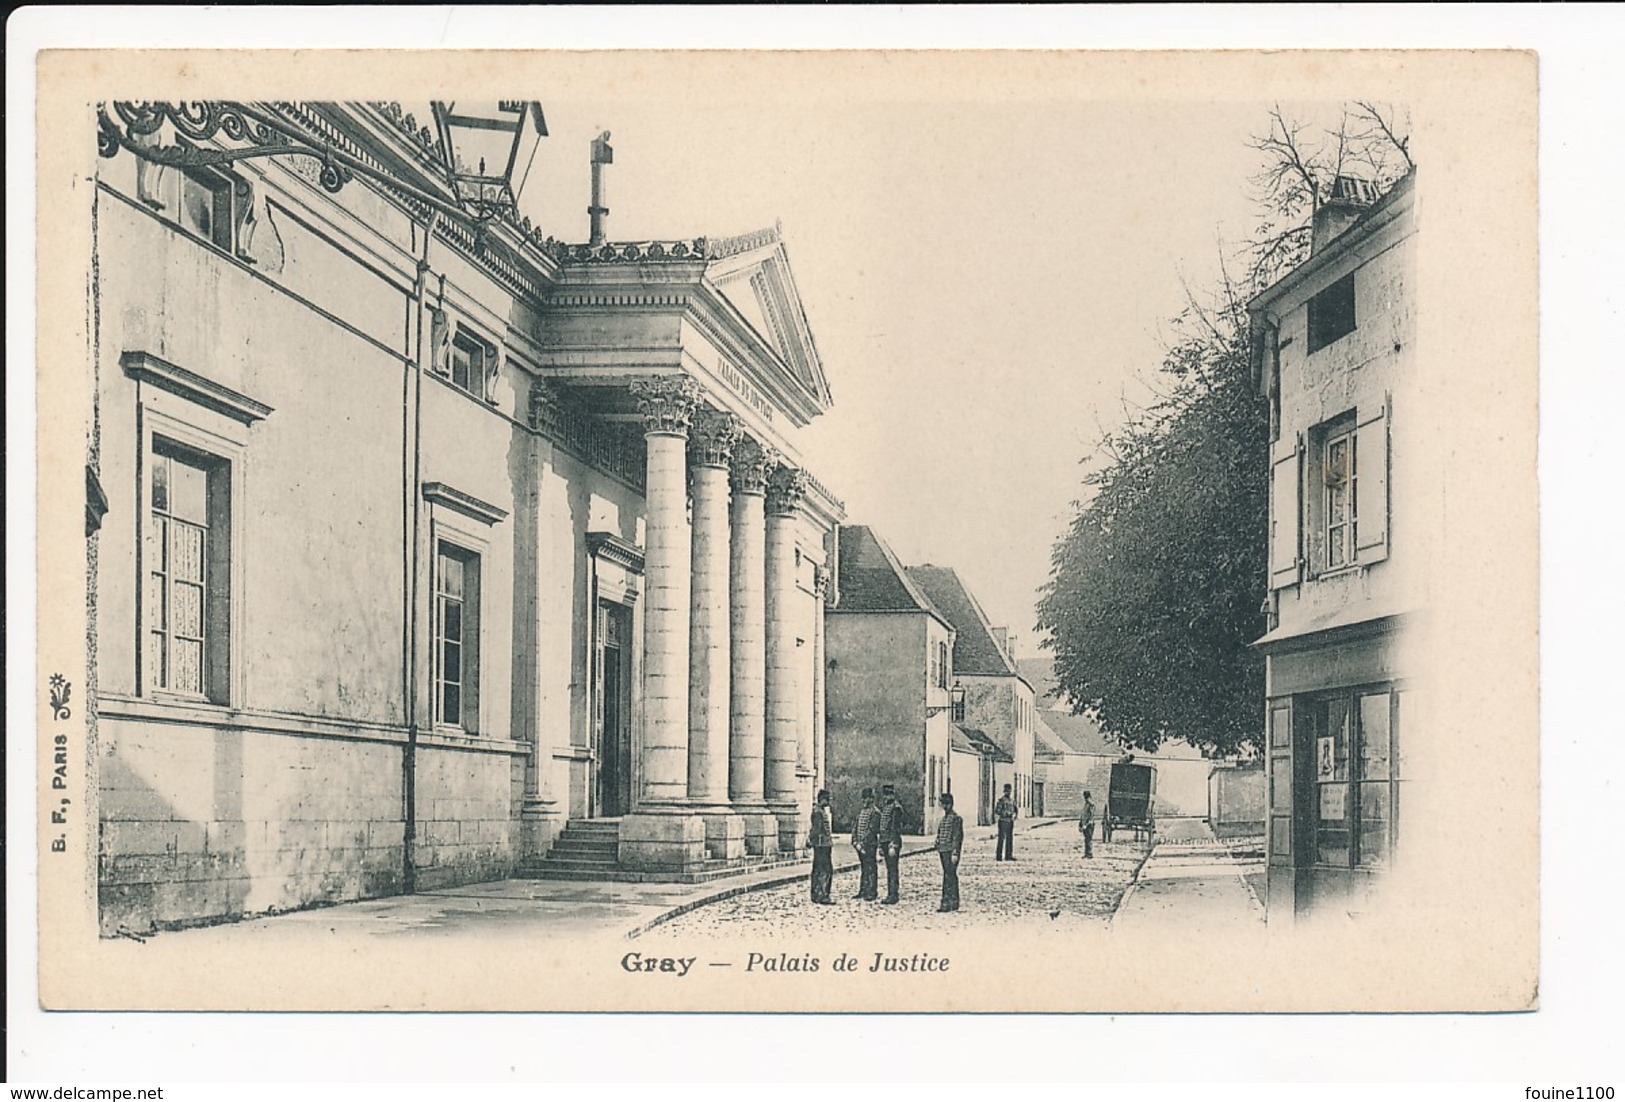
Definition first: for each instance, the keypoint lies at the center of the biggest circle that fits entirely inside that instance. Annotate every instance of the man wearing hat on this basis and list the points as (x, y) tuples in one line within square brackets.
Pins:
[(950, 841), (891, 838), (820, 839), (865, 838)]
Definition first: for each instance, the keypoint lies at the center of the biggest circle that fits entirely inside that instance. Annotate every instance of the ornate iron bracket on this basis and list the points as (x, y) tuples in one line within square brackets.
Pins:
[(196, 122)]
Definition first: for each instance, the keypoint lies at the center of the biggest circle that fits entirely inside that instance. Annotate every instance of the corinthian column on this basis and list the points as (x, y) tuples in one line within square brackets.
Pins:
[(713, 438), (785, 491), (748, 619), (661, 834)]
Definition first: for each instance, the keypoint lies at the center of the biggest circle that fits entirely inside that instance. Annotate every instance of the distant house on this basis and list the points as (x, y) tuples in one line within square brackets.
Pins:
[(1084, 762), (978, 769), (998, 701), (890, 665)]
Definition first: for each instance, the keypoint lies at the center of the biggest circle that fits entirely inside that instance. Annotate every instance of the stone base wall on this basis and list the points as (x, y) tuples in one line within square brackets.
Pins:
[(203, 824), (467, 818)]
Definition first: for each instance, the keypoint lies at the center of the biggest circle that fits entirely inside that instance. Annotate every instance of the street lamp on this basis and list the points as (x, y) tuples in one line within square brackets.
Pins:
[(956, 702), (485, 145)]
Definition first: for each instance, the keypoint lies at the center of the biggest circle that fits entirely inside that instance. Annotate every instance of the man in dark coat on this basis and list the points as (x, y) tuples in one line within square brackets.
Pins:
[(1086, 825), (950, 841), (865, 838), (891, 838), (1004, 813), (821, 840)]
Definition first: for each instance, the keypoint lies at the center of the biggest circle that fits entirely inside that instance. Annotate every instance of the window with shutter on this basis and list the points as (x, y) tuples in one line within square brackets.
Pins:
[(1371, 490), (1285, 515)]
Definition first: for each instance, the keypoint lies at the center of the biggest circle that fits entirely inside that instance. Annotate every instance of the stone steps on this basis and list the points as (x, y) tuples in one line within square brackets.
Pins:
[(586, 850)]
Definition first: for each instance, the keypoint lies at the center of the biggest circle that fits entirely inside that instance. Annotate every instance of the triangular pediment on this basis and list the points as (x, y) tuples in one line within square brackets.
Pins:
[(752, 272)]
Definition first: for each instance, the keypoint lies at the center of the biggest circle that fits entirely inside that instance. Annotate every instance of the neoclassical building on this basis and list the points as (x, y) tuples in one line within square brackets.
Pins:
[(422, 536)]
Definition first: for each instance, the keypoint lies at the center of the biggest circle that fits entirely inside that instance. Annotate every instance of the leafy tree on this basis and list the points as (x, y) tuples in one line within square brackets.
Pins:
[(1156, 589)]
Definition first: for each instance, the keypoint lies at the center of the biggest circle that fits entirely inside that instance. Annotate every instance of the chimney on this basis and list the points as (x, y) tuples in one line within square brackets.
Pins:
[(1350, 198), (1006, 641), (602, 155)]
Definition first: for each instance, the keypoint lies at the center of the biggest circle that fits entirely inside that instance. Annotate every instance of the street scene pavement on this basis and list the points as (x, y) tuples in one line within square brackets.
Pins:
[(1049, 885), (1193, 881)]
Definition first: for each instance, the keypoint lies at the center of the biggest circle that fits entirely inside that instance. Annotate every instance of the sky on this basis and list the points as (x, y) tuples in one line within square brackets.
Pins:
[(988, 280)]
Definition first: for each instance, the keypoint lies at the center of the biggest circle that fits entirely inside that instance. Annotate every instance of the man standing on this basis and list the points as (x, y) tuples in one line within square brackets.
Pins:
[(821, 839), (1086, 824), (1004, 812), (950, 840), (891, 838), (865, 836)]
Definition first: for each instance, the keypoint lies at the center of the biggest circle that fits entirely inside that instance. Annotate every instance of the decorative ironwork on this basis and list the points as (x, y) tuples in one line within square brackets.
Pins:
[(615, 449), (745, 242), (203, 121)]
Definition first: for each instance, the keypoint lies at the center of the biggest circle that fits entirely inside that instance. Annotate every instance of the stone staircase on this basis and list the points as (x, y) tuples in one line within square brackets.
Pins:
[(586, 850)]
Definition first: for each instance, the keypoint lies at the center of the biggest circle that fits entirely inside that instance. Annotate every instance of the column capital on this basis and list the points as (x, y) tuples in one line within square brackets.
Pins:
[(785, 489), (714, 436), (548, 409), (667, 403), (752, 464)]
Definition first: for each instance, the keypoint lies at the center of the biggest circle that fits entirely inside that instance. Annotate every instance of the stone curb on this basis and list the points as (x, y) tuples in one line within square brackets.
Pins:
[(1134, 882), (801, 874)]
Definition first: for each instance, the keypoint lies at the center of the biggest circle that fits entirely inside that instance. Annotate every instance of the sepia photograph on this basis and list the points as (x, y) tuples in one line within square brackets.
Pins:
[(910, 531)]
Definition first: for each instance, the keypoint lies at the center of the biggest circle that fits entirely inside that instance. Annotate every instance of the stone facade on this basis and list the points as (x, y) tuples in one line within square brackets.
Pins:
[(1335, 355), (398, 573)]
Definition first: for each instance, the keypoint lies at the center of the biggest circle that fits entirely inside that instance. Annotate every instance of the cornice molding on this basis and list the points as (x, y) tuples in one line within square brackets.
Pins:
[(612, 548), (145, 367), (467, 504)]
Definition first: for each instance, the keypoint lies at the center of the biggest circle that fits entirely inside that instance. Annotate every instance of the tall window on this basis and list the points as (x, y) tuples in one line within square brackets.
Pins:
[(1355, 779), (942, 665), (1338, 511), (188, 572), (457, 637)]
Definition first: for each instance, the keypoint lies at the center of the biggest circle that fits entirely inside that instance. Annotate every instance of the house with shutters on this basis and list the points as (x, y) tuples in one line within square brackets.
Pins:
[(1334, 357)]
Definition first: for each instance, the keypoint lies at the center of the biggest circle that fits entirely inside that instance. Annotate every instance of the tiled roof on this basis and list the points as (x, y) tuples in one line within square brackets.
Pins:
[(872, 579), (976, 651), (1081, 734), (981, 743)]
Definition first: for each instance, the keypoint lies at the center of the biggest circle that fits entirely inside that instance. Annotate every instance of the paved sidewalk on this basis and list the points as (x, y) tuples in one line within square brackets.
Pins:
[(520, 908), (1190, 884)]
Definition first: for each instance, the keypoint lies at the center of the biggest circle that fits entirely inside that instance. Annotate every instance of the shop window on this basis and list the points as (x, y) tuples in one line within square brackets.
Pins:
[(187, 553), (1354, 780), (1331, 314), (457, 638)]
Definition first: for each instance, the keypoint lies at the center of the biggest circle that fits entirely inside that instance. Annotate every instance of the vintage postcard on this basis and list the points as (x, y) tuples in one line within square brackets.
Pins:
[(714, 531)]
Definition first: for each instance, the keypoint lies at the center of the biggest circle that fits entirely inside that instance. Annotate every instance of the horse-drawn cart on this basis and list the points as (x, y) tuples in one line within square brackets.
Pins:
[(1130, 798)]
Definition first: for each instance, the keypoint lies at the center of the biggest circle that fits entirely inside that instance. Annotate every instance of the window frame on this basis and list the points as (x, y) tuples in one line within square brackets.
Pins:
[(1320, 441), (1354, 781), (478, 375), (162, 427), (470, 634), (224, 189)]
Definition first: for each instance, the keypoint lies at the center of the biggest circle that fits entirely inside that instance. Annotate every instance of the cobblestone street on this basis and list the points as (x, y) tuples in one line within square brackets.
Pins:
[(1048, 885)]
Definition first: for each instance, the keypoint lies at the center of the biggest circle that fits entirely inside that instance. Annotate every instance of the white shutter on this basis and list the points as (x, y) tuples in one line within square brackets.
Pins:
[(1371, 488), (1286, 516)]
